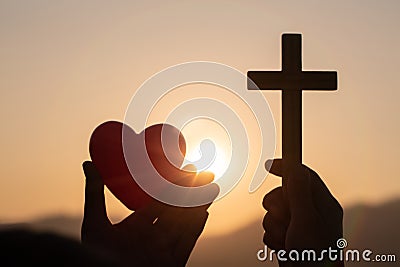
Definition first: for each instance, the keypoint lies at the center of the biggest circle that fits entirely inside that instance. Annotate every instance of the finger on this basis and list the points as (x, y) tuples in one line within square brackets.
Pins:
[(207, 197), (274, 166), (173, 219), (203, 178), (209, 193), (297, 186), (95, 215), (194, 220), (181, 224), (324, 201), (183, 177), (190, 168), (271, 242), (275, 232), (277, 205), (212, 193), (95, 205), (273, 198), (168, 228), (194, 226), (299, 190), (193, 178), (150, 212), (170, 220), (145, 216)]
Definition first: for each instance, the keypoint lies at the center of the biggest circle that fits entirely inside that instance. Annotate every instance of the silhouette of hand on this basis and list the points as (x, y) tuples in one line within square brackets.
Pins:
[(156, 235), (302, 215)]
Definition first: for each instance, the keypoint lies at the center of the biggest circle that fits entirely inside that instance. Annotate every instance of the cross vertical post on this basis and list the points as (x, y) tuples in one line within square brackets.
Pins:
[(291, 102)]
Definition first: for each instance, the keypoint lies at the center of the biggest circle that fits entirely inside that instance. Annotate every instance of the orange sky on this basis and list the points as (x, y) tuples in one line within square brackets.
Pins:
[(67, 66)]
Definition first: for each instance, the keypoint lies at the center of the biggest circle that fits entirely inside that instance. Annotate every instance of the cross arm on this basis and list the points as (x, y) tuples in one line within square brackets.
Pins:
[(305, 80)]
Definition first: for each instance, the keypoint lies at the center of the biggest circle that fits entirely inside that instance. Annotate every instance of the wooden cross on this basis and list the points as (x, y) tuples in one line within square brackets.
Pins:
[(292, 80)]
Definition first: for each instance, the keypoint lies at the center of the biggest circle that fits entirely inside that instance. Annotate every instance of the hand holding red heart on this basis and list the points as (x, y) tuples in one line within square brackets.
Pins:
[(170, 232)]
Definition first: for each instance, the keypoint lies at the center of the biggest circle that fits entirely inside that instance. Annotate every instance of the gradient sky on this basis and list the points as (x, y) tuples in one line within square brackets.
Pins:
[(67, 66)]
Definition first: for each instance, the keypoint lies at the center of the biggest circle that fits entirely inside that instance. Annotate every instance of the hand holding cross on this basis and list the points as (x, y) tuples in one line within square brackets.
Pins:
[(302, 214)]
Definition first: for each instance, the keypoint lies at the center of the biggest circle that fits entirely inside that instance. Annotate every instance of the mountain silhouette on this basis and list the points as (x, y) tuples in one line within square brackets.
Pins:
[(67, 226), (365, 227)]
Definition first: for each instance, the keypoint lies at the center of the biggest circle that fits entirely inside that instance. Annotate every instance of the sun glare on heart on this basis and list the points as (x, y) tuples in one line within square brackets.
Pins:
[(197, 131), (218, 166)]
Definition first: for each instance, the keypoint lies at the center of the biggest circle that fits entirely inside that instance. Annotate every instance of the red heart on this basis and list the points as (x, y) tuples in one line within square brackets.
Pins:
[(107, 154)]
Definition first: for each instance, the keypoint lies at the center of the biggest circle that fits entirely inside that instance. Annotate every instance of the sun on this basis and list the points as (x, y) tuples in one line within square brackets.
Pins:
[(208, 146), (217, 166), (220, 164)]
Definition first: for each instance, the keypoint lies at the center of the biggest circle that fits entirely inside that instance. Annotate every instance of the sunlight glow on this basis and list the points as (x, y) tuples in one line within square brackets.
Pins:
[(219, 165)]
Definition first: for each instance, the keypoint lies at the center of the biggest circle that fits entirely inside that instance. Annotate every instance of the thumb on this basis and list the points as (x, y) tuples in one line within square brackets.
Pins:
[(297, 186), (95, 215)]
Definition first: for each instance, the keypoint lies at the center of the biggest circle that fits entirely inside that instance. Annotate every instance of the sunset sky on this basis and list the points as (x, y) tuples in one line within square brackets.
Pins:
[(67, 66)]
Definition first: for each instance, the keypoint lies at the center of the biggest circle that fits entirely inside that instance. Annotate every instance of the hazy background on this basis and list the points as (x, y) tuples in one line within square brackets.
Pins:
[(67, 66)]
